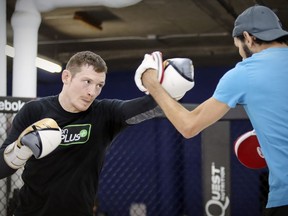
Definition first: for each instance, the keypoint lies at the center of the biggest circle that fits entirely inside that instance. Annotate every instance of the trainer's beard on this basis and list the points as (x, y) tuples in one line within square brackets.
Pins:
[(247, 51)]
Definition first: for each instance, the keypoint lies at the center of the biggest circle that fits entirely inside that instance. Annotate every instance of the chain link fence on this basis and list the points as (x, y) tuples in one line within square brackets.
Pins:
[(151, 170), (145, 173), (9, 187)]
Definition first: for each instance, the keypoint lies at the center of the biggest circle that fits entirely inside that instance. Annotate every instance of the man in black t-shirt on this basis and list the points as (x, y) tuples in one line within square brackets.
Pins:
[(65, 181)]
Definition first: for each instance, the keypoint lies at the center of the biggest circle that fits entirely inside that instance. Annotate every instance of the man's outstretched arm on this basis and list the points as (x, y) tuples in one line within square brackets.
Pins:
[(188, 123)]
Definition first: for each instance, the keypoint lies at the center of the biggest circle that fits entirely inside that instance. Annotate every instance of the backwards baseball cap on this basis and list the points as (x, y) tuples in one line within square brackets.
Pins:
[(259, 21)]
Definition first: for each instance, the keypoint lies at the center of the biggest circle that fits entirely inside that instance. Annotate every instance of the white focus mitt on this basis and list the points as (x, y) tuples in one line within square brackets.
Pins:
[(39, 139), (176, 75)]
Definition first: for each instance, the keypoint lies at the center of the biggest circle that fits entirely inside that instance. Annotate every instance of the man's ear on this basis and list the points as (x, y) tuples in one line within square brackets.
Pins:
[(248, 38), (66, 76)]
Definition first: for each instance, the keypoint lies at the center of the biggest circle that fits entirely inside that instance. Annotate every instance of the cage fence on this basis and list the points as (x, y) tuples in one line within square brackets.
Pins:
[(151, 170)]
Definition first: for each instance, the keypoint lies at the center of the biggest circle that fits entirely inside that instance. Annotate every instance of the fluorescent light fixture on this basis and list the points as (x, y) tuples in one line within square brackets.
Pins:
[(48, 65), (39, 62), (10, 51)]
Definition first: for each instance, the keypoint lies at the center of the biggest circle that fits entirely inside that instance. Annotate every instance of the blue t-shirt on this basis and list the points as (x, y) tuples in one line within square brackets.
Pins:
[(260, 84)]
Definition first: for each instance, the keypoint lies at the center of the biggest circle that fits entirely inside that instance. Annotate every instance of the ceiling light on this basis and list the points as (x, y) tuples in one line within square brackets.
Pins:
[(39, 62)]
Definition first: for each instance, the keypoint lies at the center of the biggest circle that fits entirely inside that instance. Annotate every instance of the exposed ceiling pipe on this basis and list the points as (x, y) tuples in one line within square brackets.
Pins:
[(47, 5), (134, 38), (3, 41), (25, 22)]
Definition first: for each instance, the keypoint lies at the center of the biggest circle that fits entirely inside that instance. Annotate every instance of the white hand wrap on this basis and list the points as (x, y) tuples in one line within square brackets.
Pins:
[(16, 156), (148, 62)]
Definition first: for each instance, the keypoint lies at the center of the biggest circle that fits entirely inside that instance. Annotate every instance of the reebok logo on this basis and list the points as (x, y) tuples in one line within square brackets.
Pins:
[(11, 106)]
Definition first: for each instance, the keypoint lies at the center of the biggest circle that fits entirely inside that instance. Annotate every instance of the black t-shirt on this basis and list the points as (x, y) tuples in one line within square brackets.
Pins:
[(65, 181)]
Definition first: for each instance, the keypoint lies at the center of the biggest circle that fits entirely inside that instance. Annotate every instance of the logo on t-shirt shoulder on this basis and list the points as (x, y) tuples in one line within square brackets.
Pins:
[(75, 134)]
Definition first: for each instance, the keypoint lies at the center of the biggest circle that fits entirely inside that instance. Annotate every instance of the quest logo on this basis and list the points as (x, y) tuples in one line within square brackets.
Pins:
[(219, 201)]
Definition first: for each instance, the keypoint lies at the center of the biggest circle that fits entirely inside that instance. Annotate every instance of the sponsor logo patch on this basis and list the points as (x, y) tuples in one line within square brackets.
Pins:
[(75, 134)]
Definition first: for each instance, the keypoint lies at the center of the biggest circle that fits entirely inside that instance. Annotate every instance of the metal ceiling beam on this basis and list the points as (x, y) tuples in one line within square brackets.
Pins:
[(212, 10)]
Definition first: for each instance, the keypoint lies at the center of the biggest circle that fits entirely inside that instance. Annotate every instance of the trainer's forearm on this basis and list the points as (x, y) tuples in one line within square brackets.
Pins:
[(175, 112)]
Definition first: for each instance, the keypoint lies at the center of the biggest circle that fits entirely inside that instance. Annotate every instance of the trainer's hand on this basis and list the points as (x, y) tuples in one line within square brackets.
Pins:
[(147, 63), (176, 75), (39, 139)]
